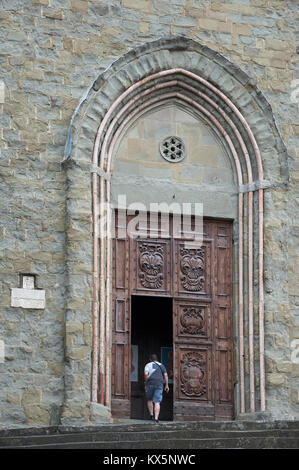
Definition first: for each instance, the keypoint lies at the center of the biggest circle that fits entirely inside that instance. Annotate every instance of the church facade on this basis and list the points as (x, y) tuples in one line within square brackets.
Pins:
[(149, 163)]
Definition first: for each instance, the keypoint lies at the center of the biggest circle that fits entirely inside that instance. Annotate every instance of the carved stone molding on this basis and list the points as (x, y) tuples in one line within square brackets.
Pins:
[(151, 263), (193, 374), (192, 266)]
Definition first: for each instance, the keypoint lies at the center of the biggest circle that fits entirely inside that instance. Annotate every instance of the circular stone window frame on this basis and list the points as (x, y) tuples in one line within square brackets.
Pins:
[(173, 152)]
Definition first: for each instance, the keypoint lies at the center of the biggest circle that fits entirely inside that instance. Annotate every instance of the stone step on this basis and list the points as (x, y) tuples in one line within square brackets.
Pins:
[(148, 435), (147, 425), (157, 432), (223, 443)]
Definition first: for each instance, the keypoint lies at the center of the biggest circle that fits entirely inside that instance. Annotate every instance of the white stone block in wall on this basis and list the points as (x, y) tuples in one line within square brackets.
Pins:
[(28, 298), (28, 282)]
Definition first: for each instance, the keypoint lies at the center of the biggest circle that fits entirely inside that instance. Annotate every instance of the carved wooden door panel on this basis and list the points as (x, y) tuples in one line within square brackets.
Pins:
[(203, 326), (120, 378), (151, 267), (193, 370), (223, 322)]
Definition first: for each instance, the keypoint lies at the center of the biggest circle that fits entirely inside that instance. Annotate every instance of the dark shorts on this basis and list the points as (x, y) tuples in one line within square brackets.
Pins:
[(154, 393)]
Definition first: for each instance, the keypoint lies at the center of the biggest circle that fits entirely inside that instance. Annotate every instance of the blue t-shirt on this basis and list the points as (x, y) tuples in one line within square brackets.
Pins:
[(155, 374)]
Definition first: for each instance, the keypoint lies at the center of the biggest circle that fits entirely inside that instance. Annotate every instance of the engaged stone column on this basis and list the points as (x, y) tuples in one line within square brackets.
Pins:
[(78, 409)]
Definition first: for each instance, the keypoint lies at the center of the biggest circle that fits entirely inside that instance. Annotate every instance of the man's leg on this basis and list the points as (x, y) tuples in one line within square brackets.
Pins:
[(157, 410), (157, 398), (150, 407), (149, 396)]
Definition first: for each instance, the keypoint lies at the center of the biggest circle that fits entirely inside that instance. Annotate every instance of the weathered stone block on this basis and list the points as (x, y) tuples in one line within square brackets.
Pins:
[(295, 396), (295, 370), (31, 396), (56, 368), (73, 412), (215, 25), (100, 413), (143, 5), (37, 414), (276, 380), (53, 13), (79, 5), (79, 354), (41, 2), (284, 366), (13, 398), (87, 334), (74, 327), (294, 332)]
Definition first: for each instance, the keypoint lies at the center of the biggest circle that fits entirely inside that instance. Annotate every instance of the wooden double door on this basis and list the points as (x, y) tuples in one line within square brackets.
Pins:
[(197, 281)]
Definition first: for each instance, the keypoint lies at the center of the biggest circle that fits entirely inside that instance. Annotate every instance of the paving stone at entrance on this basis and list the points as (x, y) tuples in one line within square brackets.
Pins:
[(165, 435)]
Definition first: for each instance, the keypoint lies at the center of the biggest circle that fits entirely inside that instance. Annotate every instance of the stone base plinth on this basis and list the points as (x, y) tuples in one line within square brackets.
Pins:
[(83, 414), (256, 416)]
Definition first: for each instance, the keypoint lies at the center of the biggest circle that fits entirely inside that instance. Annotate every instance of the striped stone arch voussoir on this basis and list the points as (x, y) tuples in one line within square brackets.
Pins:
[(186, 54), (202, 80)]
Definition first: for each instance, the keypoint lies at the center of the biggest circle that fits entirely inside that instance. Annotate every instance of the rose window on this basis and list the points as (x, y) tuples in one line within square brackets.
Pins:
[(172, 149)]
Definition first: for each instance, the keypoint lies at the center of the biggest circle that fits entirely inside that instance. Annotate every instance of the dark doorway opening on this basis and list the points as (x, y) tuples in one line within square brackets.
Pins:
[(151, 329)]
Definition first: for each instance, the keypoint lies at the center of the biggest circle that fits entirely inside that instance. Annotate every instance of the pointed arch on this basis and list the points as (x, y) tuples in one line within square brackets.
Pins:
[(181, 69)]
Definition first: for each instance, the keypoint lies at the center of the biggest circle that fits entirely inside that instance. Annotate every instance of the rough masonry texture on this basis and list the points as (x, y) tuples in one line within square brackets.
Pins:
[(63, 62)]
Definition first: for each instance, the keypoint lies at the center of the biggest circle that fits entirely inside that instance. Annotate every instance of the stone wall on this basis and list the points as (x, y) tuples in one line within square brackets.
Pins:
[(205, 175), (51, 52)]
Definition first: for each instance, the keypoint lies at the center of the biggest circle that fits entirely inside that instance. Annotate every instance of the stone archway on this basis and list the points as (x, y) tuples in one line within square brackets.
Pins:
[(170, 68)]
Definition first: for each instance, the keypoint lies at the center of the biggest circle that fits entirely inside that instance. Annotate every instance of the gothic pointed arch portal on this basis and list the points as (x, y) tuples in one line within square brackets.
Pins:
[(210, 86)]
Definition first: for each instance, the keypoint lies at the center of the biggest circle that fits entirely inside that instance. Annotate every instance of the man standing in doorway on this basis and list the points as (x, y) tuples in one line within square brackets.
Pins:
[(155, 375)]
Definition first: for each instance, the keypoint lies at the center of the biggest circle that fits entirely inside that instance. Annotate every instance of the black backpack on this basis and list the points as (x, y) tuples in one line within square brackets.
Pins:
[(160, 370)]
